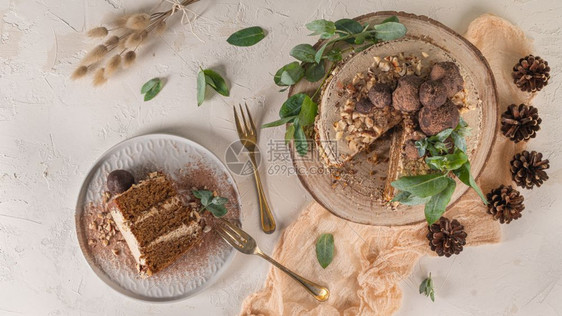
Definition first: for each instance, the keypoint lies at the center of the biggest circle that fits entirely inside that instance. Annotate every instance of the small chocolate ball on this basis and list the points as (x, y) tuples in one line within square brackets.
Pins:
[(406, 97), (410, 150), (449, 73), (364, 106), (433, 93), (433, 121), (119, 181), (381, 95)]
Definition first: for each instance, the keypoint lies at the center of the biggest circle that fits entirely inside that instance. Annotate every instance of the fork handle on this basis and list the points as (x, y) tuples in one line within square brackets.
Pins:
[(321, 293), (266, 217)]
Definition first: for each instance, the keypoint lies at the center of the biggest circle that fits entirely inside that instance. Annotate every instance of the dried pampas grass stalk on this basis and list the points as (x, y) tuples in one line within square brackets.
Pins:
[(99, 77), (135, 39), (113, 65), (161, 27), (98, 32), (112, 41), (129, 59), (79, 72), (138, 21), (128, 34), (95, 55)]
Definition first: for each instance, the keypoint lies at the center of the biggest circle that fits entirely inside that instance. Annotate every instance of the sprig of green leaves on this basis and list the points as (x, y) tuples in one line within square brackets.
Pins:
[(436, 189), (151, 88), (325, 249), (299, 111), (426, 288), (208, 77), (214, 204)]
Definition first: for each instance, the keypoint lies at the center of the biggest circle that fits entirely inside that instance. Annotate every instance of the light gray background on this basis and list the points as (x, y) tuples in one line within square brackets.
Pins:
[(53, 129)]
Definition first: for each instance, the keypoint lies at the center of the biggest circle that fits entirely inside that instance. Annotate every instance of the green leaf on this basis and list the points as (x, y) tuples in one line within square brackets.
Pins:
[(314, 72), (438, 202), (349, 26), (308, 112), (292, 106), (151, 88), (149, 85), (441, 136), (246, 37), (322, 27), (459, 141), (216, 81), (360, 38), (204, 195), (217, 210), (464, 174), (421, 145), (320, 52), (325, 249), (289, 74), (334, 55), (422, 185), (219, 200), (201, 86), (393, 18), (389, 31), (289, 133), (407, 198), (303, 52), (447, 162), (279, 122), (301, 143)]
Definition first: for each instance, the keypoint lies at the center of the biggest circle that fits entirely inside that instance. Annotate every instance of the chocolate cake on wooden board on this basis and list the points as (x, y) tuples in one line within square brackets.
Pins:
[(156, 225)]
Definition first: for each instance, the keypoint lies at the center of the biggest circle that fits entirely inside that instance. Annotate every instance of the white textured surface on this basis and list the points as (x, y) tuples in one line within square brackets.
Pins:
[(52, 130)]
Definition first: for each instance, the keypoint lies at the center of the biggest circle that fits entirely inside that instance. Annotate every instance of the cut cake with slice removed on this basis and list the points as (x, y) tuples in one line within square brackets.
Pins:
[(156, 225)]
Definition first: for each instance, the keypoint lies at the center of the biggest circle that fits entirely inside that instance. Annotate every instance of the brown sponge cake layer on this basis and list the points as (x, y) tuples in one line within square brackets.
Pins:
[(159, 219), (167, 248), (146, 194)]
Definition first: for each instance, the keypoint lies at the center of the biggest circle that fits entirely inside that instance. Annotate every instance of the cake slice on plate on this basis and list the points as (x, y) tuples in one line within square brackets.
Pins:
[(156, 225)]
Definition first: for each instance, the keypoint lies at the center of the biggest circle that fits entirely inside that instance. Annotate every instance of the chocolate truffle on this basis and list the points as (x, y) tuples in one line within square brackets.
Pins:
[(119, 181), (406, 97), (364, 106), (433, 93), (381, 95), (433, 121), (449, 73)]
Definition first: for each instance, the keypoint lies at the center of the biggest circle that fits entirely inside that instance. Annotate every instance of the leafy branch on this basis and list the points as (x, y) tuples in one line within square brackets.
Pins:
[(212, 203), (426, 288), (311, 64), (446, 156)]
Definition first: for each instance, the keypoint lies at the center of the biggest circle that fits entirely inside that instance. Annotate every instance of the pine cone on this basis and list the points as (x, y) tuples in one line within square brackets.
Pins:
[(531, 73), (520, 122), (505, 204), (446, 237), (527, 169)]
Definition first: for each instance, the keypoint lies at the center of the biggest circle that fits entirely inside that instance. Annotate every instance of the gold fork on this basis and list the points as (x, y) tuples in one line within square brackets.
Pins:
[(244, 243), (249, 138)]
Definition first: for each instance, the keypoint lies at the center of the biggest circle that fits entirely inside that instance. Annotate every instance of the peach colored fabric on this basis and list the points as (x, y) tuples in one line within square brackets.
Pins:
[(370, 261)]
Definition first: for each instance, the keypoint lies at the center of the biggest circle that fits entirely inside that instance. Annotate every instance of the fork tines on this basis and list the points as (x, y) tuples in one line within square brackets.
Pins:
[(246, 129)]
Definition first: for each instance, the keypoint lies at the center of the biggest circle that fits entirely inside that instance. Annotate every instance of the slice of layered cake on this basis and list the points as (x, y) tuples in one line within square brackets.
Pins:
[(156, 225)]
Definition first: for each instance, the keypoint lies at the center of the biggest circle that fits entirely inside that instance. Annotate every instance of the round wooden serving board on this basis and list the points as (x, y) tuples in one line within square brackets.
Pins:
[(356, 201)]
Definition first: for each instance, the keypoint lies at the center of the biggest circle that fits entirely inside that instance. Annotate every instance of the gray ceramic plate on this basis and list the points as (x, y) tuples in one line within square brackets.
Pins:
[(190, 164)]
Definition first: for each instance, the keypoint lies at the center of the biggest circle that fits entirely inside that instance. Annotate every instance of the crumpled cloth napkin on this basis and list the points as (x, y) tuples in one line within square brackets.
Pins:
[(370, 261)]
